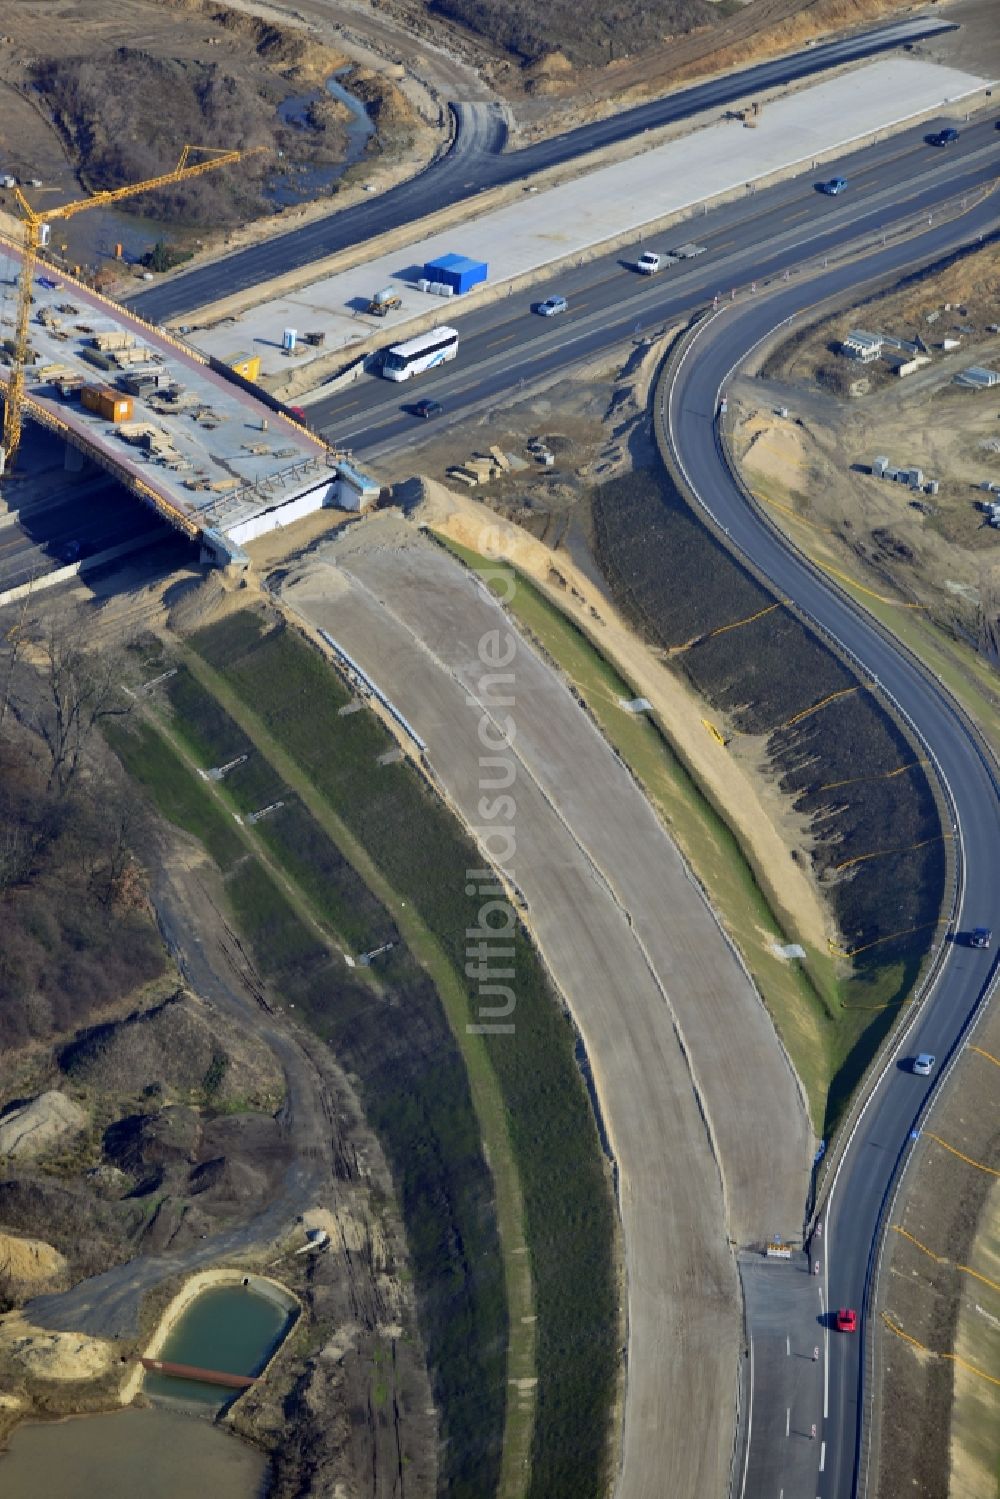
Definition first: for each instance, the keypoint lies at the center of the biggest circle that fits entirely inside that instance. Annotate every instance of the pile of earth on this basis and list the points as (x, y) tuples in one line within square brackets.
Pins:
[(179, 1049), (587, 36), (30, 1129)]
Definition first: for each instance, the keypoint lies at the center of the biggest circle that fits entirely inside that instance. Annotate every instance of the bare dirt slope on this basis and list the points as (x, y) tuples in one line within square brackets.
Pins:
[(101, 96), (937, 549), (939, 1432), (672, 1026)]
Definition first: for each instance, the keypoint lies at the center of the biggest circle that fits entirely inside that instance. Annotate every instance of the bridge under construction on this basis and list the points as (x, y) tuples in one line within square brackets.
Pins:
[(185, 434)]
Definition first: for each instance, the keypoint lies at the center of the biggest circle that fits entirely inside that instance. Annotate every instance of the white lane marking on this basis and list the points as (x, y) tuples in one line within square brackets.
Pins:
[(826, 1356), (822, 1456), (788, 1347), (788, 1419), (746, 1455)]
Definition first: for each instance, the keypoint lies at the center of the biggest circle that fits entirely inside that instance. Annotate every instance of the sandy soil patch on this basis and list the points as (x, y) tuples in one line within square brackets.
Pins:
[(29, 1260), (34, 1127), (61, 1356), (813, 466)]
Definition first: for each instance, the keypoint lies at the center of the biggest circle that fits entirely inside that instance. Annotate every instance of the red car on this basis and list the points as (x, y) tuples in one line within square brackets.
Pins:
[(847, 1320)]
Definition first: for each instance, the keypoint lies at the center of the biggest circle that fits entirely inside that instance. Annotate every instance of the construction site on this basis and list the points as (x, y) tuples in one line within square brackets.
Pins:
[(190, 435)]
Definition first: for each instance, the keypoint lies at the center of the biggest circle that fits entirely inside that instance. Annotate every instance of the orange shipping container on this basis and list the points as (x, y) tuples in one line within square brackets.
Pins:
[(108, 403)]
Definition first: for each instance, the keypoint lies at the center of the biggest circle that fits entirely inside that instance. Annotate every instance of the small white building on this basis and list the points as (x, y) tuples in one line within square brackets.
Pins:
[(862, 346), (905, 364), (978, 378)]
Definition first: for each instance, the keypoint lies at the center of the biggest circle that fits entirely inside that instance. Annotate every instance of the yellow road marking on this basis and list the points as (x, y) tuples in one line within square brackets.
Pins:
[(832, 697), (966, 1158), (881, 853), (987, 1054), (951, 1357)]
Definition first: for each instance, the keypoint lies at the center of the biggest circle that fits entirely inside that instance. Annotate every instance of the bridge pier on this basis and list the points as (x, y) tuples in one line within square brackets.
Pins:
[(74, 460)]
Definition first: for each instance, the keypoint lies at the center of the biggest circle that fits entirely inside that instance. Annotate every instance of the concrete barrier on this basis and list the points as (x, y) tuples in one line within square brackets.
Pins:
[(74, 569)]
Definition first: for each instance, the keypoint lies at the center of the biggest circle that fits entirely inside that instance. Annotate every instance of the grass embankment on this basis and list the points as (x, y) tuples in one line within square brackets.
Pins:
[(803, 996), (387, 1028), (314, 845), (878, 845), (422, 854)]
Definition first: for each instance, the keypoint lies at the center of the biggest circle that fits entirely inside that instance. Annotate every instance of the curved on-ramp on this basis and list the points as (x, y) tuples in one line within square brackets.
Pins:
[(837, 1463)]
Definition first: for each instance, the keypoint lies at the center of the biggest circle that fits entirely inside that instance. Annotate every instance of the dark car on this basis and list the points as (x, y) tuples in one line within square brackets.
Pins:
[(69, 551), (943, 137), (981, 937), (426, 409)]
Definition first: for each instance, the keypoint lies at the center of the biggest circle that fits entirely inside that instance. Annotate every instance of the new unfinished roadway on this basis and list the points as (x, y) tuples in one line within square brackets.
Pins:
[(703, 1113)]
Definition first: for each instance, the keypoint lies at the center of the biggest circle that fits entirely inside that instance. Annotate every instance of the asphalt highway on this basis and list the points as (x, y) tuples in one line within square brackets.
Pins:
[(477, 161), (90, 515), (877, 1149), (762, 235)]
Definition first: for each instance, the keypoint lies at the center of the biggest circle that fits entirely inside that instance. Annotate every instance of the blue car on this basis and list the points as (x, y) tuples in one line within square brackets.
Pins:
[(834, 187)]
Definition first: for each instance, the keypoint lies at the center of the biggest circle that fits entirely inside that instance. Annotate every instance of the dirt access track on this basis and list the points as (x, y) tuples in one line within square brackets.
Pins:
[(703, 1114)]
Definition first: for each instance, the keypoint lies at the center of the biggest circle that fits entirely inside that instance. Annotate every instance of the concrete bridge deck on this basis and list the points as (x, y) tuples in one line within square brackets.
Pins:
[(211, 457)]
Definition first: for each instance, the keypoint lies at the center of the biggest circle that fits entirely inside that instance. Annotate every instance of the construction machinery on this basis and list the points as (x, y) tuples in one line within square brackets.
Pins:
[(386, 300), (37, 233)]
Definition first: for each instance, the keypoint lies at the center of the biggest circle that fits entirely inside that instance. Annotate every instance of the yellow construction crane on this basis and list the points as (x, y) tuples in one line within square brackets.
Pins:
[(37, 228)]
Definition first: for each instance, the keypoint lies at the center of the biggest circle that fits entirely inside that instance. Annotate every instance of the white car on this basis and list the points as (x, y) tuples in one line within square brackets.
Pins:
[(923, 1065), (648, 263), (552, 305)]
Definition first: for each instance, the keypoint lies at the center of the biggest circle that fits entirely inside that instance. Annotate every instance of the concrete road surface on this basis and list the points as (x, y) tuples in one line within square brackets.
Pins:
[(476, 163), (704, 1115)]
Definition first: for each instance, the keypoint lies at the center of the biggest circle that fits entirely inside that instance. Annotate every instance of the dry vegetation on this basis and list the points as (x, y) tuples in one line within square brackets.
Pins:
[(77, 931), (562, 50), (115, 94)]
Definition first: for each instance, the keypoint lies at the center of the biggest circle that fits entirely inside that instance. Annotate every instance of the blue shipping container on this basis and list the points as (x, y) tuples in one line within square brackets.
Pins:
[(456, 271)]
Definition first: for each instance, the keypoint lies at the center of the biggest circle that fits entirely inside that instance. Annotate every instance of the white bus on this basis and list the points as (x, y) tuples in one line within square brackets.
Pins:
[(419, 354)]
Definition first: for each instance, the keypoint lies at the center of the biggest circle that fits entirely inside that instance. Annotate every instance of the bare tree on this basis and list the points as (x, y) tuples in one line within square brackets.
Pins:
[(84, 689), (14, 639)]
